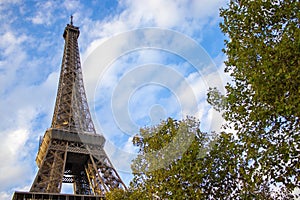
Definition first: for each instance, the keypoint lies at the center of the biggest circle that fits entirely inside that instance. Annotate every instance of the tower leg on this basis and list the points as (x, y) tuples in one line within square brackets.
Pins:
[(50, 175)]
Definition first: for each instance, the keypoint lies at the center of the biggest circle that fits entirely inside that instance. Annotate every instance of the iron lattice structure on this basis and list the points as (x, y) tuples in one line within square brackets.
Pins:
[(71, 109), (71, 151)]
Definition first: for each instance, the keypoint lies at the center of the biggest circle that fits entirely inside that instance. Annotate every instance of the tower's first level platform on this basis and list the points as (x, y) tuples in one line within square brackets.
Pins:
[(50, 196)]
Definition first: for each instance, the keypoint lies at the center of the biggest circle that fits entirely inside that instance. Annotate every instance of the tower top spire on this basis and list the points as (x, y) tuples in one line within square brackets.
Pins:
[(71, 20)]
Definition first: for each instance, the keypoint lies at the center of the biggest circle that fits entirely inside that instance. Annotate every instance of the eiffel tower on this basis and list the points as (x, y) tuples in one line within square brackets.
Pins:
[(71, 151)]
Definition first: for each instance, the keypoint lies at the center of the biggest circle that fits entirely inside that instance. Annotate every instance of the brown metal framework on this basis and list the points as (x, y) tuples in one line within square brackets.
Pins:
[(71, 108), (71, 151), (51, 196)]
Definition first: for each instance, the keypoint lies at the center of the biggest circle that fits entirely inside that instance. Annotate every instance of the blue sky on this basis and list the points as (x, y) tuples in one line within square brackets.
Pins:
[(142, 61)]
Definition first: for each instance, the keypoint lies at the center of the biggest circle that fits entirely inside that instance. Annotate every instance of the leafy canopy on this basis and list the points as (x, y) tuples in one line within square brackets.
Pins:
[(168, 165), (178, 161), (262, 104)]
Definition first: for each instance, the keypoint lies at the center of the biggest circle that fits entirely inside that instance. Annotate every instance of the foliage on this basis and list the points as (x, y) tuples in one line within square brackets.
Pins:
[(116, 194), (208, 167), (168, 164), (262, 104), (228, 174)]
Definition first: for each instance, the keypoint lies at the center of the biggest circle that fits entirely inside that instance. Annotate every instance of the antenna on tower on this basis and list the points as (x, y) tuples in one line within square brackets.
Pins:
[(71, 19)]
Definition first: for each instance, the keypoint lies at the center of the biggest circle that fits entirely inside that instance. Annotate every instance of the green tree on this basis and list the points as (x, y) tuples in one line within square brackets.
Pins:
[(169, 161), (228, 175), (117, 194), (178, 161), (262, 103)]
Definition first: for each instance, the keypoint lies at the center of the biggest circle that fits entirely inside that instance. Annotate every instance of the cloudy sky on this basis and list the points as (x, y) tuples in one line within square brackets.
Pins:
[(142, 61)]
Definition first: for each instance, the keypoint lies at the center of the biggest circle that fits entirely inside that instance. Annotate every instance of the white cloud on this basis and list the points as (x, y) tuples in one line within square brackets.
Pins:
[(72, 5), (14, 170), (9, 2), (5, 196), (161, 13), (9, 42), (172, 13), (44, 13), (124, 157), (188, 18)]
